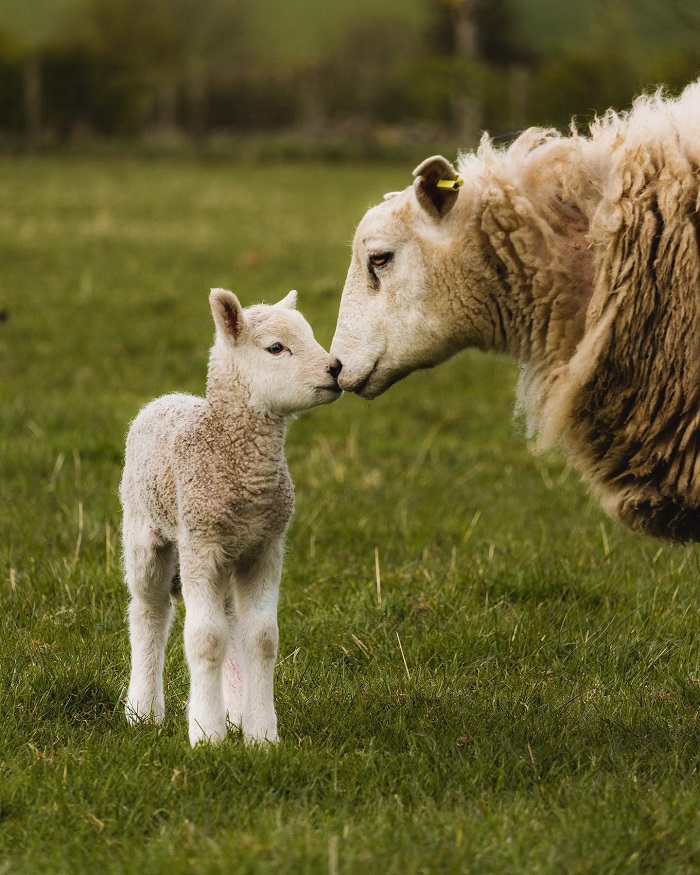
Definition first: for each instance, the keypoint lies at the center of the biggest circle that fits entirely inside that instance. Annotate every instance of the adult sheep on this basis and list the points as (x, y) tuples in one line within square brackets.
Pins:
[(578, 255)]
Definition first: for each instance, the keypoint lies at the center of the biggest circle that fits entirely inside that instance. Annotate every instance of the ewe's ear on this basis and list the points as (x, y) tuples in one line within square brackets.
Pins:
[(437, 186), (227, 313), (290, 302)]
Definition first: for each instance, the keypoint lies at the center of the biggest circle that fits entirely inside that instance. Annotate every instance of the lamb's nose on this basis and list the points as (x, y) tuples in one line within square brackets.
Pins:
[(334, 368)]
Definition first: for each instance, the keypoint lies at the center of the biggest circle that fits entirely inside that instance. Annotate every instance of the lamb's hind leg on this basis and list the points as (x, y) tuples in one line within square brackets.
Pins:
[(149, 566), (206, 637), (257, 591)]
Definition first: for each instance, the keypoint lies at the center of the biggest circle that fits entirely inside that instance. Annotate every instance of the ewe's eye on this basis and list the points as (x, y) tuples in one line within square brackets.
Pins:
[(379, 259), (276, 348)]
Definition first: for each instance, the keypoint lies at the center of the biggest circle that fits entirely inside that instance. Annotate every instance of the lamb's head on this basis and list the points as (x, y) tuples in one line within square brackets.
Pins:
[(272, 350), (395, 309)]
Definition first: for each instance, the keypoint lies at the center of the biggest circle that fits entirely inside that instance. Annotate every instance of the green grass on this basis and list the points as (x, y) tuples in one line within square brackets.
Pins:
[(524, 700)]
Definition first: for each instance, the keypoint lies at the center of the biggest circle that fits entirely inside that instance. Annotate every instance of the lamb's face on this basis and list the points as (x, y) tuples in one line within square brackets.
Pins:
[(391, 318), (272, 349), (287, 370)]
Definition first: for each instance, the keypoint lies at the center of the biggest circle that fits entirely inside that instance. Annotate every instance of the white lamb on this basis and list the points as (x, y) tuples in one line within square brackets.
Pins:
[(206, 497)]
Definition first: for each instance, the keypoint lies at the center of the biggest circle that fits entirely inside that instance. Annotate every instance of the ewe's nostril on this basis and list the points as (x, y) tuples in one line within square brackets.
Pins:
[(334, 368)]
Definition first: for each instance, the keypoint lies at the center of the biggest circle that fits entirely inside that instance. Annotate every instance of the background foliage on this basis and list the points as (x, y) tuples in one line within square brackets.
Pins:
[(389, 70)]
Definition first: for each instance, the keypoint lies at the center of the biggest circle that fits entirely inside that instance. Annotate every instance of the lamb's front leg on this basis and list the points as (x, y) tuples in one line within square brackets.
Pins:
[(257, 592), (233, 671), (206, 636)]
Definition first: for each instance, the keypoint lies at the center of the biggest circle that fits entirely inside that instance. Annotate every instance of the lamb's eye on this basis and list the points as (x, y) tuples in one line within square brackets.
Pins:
[(379, 259), (276, 348)]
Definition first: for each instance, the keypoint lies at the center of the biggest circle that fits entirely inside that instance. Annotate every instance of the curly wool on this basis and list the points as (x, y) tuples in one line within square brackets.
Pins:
[(213, 468), (599, 237)]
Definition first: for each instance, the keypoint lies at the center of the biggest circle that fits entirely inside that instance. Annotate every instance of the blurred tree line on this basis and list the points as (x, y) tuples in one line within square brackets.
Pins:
[(195, 68)]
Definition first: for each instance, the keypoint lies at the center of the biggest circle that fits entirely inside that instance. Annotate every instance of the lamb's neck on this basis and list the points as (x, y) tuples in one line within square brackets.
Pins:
[(232, 405)]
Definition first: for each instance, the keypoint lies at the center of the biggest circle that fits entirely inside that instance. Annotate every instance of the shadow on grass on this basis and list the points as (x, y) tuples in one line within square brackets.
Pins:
[(428, 741), (69, 702), (507, 739)]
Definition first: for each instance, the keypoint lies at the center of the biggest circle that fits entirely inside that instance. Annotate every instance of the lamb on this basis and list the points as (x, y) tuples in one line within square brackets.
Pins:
[(206, 497), (579, 256)]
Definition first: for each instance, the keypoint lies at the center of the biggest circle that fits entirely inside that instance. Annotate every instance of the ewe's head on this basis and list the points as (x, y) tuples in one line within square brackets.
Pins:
[(392, 316), (274, 353)]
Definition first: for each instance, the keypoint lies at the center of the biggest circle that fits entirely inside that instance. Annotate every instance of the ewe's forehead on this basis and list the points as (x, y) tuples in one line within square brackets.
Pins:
[(389, 221), (265, 320)]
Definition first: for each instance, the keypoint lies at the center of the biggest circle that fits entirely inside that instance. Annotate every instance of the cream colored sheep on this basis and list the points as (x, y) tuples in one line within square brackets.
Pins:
[(578, 255), (206, 490)]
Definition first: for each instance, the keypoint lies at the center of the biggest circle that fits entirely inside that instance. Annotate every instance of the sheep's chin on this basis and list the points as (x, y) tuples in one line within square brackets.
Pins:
[(327, 394), (316, 396), (378, 381)]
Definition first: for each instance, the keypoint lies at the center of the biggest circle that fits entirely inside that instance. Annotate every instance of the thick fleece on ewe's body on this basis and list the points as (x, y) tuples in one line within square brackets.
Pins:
[(612, 258)]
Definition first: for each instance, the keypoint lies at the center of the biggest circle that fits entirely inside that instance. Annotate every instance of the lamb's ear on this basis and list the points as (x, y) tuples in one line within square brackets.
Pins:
[(437, 186), (227, 313), (290, 302)]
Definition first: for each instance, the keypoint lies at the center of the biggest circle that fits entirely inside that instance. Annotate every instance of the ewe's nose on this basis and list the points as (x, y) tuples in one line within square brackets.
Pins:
[(334, 368)]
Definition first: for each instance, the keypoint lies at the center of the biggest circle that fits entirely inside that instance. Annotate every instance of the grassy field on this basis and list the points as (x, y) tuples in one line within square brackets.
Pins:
[(523, 697)]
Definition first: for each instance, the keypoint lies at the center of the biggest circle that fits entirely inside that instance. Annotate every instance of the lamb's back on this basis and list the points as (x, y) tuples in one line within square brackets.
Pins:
[(149, 486)]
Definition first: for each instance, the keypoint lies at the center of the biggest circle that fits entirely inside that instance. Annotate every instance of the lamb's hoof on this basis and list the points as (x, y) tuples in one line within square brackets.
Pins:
[(198, 735), (261, 735), (254, 741), (136, 713)]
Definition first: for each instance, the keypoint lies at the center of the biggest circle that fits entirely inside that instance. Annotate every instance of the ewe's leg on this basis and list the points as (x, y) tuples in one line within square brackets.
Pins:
[(149, 567), (233, 671), (257, 591), (206, 637)]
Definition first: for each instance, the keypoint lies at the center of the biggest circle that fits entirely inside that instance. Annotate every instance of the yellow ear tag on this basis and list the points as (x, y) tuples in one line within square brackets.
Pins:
[(450, 184)]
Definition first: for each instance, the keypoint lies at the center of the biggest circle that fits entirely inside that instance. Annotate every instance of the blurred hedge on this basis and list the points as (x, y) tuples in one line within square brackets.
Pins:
[(130, 70)]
